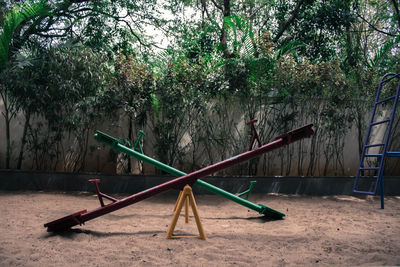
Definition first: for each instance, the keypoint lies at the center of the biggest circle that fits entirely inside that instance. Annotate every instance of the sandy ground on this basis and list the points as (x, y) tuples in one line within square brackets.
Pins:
[(334, 230)]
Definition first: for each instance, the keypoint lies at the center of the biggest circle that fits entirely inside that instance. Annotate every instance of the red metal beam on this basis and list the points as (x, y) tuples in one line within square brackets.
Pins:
[(179, 183)]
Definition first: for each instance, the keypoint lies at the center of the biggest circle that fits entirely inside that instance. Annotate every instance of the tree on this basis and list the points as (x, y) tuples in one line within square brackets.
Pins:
[(133, 94), (32, 24), (10, 25), (67, 90)]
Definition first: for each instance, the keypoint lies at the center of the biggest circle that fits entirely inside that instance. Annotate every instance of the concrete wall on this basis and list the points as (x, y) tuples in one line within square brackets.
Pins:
[(129, 184), (98, 160)]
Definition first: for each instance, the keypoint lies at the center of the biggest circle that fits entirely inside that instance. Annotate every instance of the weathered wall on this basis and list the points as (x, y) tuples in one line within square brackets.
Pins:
[(99, 160)]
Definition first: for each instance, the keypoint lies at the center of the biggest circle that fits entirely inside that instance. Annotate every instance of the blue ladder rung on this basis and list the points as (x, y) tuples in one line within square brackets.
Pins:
[(379, 122), (386, 99), (392, 154), (369, 168), (364, 192), (373, 155), (374, 145)]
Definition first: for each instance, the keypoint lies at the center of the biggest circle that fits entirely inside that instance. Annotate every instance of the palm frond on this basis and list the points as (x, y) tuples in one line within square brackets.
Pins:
[(243, 33), (13, 19), (383, 51), (289, 48)]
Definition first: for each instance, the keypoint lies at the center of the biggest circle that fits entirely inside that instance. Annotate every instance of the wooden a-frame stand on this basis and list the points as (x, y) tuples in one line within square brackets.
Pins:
[(186, 196)]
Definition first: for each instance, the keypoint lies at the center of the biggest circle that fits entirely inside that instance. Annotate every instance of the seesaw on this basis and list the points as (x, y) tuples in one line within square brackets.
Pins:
[(80, 217), (111, 141)]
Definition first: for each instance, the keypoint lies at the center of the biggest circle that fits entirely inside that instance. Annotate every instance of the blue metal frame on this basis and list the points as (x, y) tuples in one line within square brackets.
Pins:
[(386, 78)]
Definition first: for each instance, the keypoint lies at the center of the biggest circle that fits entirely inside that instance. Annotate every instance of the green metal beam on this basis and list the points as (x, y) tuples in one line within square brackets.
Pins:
[(117, 144)]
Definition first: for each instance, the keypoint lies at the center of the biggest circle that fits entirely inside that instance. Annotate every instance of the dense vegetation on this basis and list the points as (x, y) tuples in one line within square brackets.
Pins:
[(186, 70)]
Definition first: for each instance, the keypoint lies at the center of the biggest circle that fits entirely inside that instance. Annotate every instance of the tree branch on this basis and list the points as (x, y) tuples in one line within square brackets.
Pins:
[(51, 35), (134, 33), (375, 28), (257, 10), (289, 21), (209, 17), (217, 5)]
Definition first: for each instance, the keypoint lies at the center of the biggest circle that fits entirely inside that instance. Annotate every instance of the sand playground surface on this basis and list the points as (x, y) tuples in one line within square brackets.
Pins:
[(317, 231)]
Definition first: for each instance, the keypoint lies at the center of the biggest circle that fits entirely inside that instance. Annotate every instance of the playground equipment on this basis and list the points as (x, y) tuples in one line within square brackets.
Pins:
[(248, 191), (83, 216), (117, 144), (255, 136), (111, 141), (382, 146)]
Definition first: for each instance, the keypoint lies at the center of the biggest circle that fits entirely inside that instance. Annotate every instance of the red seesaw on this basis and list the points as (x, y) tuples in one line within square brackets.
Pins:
[(80, 217)]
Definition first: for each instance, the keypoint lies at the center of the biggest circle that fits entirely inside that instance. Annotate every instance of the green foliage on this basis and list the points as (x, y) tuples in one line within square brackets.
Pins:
[(318, 24), (155, 104), (226, 64), (383, 57), (134, 88), (199, 43), (180, 94), (289, 48), (68, 89), (243, 37), (19, 14)]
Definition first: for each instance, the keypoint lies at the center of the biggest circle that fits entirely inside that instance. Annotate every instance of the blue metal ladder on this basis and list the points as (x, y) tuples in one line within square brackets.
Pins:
[(383, 146)]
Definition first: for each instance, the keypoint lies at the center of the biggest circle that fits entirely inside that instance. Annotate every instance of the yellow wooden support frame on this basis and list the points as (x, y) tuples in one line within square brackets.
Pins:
[(186, 195)]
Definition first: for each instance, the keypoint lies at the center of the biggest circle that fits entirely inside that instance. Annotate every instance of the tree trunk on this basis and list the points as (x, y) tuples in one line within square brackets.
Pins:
[(23, 140), (8, 141), (224, 35), (84, 152), (130, 137), (8, 115)]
